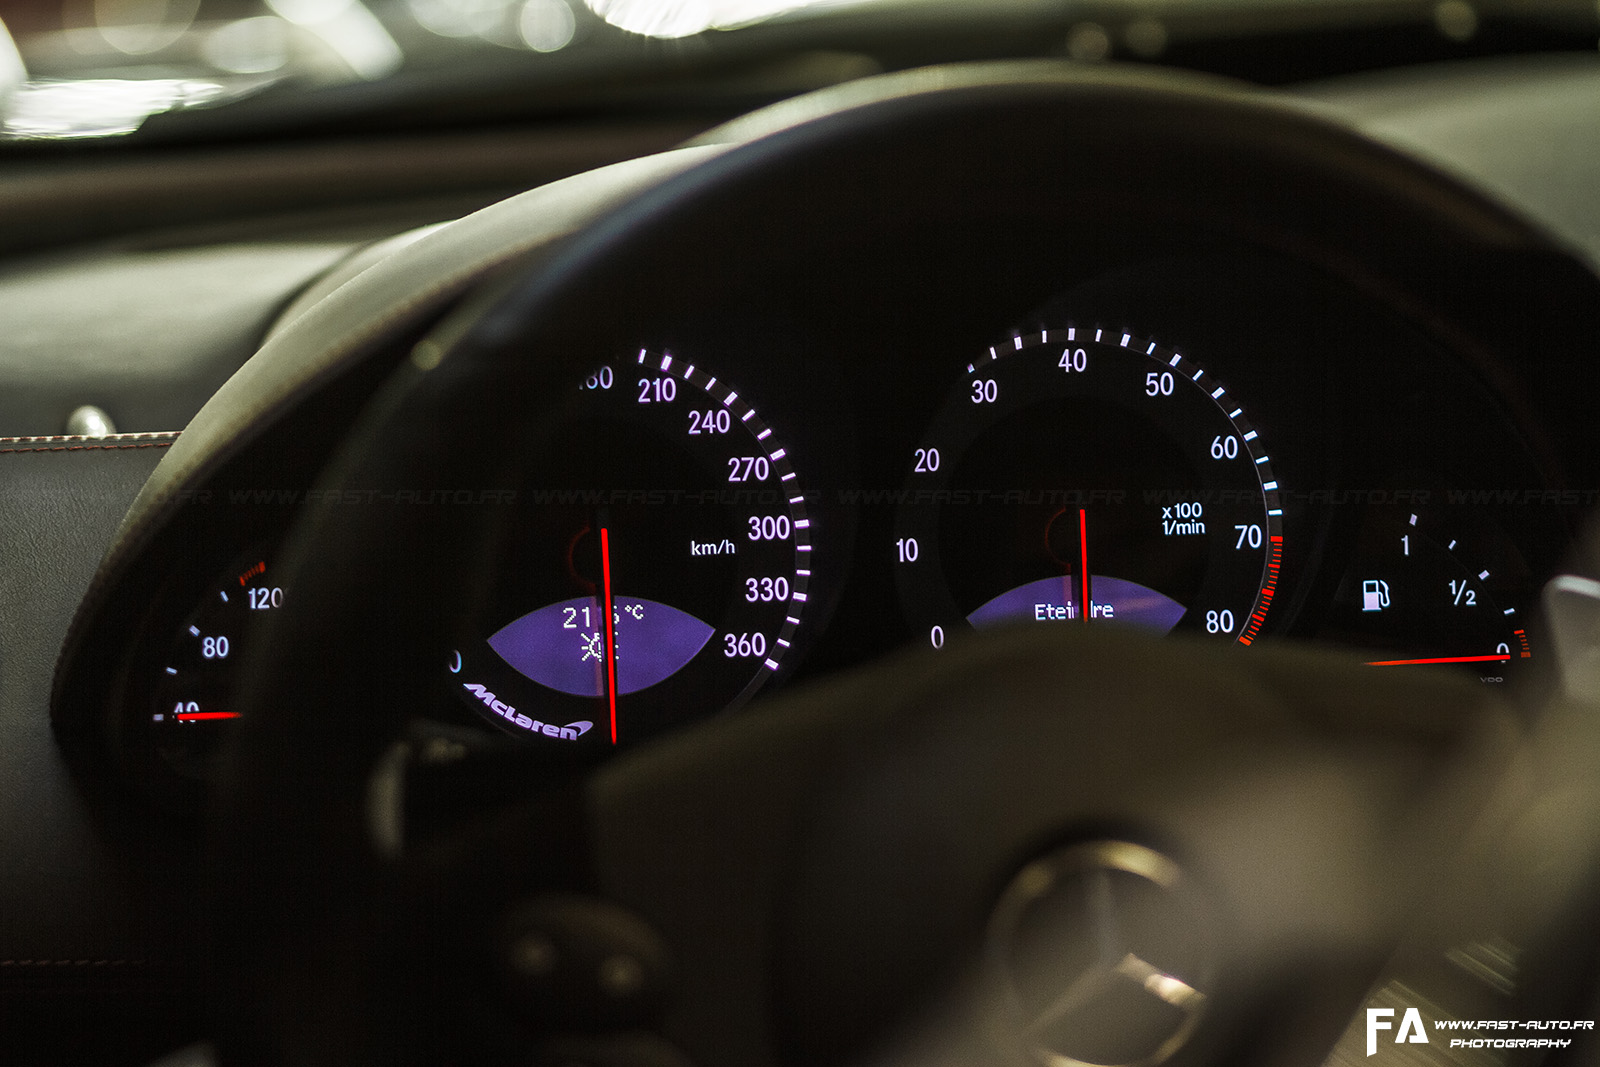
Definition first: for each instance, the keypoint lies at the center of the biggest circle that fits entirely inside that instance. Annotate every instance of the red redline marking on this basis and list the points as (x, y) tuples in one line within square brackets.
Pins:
[(1437, 659), (196, 716), (611, 630)]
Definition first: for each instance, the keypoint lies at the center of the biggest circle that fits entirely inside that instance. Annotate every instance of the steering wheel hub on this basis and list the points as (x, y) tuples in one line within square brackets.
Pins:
[(1102, 950)]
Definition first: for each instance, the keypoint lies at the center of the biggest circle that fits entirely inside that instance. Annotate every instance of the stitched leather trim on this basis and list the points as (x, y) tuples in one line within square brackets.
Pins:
[(68, 443)]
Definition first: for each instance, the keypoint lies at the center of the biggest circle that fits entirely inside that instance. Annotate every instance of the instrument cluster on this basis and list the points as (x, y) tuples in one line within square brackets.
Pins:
[(720, 511), (1247, 378)]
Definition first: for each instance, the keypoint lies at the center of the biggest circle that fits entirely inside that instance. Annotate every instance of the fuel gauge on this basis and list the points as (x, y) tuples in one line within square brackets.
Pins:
[(1434, 589)]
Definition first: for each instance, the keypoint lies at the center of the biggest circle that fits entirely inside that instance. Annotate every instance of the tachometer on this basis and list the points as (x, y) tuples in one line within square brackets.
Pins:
[(659, 570), (1083, 476)]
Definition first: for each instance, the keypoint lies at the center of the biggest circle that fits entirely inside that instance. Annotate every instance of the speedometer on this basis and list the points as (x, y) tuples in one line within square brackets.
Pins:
[(657, 570), (1089, 476)]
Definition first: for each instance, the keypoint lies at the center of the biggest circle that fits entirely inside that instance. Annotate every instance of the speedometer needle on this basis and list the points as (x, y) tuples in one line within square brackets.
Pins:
[(611, 629)]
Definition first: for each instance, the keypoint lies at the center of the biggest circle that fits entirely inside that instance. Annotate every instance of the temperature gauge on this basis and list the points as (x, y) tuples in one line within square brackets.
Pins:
[(194, 681)]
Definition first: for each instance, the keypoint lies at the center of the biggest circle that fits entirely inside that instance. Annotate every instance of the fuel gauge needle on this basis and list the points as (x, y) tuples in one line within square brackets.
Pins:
[(1498, 658), (611, 629)]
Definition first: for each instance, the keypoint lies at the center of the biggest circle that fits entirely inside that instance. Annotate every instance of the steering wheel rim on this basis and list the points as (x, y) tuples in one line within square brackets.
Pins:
[(306, 961)]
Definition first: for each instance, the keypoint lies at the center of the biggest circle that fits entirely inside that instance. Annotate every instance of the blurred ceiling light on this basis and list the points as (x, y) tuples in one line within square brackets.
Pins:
[(732, 14), (547, 25), (139, 27), (1456, 19), (1088, 42), (656, 18), (684, 18), (461, 18), (13, 72), (99, 108), (347, 27), (248, 46)]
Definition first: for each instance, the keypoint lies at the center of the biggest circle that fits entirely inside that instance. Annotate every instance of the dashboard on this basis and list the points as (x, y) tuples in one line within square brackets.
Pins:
[(963, 352)]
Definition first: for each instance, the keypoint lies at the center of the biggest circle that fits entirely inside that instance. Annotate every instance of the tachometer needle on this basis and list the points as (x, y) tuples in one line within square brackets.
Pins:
[(611, 629), (1083, 563)]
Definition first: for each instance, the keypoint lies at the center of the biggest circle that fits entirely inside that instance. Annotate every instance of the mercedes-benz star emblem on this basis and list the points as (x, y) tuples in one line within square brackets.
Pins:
[(1102, 956)]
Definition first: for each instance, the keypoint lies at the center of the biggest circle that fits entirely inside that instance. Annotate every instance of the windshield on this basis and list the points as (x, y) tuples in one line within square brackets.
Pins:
[(80, 69)]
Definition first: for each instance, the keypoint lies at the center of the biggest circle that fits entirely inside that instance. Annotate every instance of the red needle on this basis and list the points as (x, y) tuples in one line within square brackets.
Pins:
[(611, 630), (1438, 659), (1083, 562)]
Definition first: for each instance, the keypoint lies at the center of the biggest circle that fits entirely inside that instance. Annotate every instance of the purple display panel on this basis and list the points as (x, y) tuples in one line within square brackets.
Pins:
[(563, 646), (1052, 600)]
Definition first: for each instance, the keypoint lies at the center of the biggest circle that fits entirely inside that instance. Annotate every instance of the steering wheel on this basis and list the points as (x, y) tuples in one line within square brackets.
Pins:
[(1037, 847)]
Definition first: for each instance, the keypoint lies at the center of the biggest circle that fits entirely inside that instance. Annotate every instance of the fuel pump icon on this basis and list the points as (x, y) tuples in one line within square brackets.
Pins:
[(1374, 595)]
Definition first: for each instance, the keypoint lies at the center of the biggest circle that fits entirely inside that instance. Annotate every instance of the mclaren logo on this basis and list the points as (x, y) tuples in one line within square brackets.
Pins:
[(1102, 956), (570, 732)]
